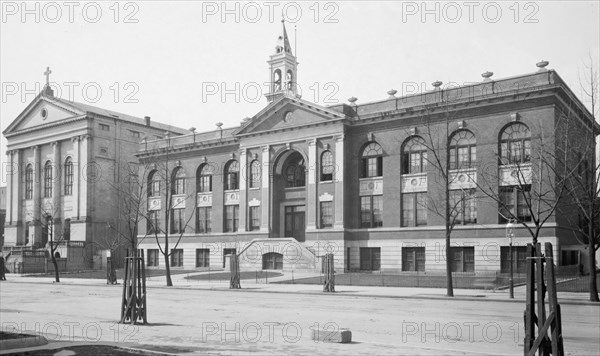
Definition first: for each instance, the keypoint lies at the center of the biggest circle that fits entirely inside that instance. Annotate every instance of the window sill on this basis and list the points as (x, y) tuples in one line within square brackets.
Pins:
[(370, 178)]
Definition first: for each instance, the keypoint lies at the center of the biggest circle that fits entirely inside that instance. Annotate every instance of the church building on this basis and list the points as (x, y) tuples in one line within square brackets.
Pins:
[(65, 164)]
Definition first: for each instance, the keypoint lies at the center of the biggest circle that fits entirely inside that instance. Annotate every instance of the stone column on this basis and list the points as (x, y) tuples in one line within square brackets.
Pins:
[(311, 191), (243, 195), (266, 190), (37, 196), (10, 174), (76, 177), (87, 176), (339, 182), (56, 187)]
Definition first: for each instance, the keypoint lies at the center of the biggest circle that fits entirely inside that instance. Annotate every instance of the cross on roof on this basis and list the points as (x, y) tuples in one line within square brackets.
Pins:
[(47, 74)]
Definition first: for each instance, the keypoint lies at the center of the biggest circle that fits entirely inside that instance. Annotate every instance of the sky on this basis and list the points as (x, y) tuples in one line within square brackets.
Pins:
[(193, 64)]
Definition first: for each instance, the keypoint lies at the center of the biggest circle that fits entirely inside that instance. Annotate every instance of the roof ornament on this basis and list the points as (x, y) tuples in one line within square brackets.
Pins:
[(47, 74)]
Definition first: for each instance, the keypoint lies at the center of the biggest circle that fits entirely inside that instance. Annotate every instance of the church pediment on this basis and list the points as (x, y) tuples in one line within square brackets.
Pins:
[(288, 113), (42, 111)]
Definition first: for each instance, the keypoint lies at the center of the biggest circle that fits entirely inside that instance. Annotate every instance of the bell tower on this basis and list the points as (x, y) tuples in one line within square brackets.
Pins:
[(282, 68)]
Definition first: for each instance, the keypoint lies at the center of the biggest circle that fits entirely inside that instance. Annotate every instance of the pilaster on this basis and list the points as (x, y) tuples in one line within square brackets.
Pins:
[(338, 178), (37, 195), (243, 190), (311, 197), (266, 190)]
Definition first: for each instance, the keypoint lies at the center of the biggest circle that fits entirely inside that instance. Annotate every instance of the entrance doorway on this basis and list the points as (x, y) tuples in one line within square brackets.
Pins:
[(295, 225), (226, 252)]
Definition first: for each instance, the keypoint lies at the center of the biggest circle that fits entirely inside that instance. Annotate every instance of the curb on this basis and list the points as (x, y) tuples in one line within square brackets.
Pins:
[(21, 343), (482, 298)]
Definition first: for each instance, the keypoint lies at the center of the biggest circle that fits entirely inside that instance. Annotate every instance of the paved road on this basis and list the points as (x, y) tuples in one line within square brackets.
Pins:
[(239, 322)]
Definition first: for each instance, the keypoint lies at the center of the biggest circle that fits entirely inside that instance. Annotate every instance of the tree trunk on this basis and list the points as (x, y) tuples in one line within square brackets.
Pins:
[(168, 271), (449, 288), (55, 264), (592, 264), (167, 262)]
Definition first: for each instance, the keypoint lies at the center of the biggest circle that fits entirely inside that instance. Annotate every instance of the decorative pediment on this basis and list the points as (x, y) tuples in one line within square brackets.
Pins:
[(286, 113), (42, 111)]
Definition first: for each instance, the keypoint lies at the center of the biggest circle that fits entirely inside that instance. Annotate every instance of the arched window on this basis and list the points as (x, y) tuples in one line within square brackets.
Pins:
[(255, 174), (153, 184), (326, 166), (372, 161), (277, 80), (29, 182), (463, 150), (515, 144), (48, 180), (289, 80), (295, 171), (232, 175), (178, 181), (414, 156), (68, 176), (204, 178)]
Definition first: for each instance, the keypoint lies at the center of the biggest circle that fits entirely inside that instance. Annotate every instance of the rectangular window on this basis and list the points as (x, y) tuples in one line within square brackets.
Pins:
[(177, 258), (68, 178), (519, 254), (232, 218), (254, 217), (326, 214), (413, 259), (153, 223), (513, 202), (462, 259), (29, 183), (202, 257), (205, 183), (104, 127), (371, 211), (177, 221), (370, 258), (203, 220), (414, 209), (136, 134), (152, 257), (372, 167), (463, 206)]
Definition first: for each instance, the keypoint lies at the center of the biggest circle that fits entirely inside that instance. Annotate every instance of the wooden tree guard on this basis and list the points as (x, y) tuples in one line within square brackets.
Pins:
[(546, 345), (234, 267), (329, 283), (133, 305)]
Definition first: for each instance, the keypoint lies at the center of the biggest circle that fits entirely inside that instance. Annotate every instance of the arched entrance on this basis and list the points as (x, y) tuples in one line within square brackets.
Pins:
[(289, 196)]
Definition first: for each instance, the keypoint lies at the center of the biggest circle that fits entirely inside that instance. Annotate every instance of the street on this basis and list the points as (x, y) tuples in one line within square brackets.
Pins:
[(234, 322)]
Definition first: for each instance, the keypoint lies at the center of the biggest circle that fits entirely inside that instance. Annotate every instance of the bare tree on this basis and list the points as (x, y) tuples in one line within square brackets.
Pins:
[(530, 181), (56, 236), (453, 196), (584, 185), (165, 181)]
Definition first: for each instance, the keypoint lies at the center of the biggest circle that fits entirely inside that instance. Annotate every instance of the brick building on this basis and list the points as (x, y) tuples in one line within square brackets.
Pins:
[(299, 179)]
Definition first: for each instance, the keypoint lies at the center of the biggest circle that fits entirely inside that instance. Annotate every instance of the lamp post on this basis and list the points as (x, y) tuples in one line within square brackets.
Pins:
[(509, 236)]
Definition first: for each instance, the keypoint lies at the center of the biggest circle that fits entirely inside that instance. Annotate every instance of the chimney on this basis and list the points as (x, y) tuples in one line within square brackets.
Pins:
[(147, 118)]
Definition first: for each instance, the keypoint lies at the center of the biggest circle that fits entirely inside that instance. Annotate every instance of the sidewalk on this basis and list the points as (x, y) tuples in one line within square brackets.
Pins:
[(180, 281)]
